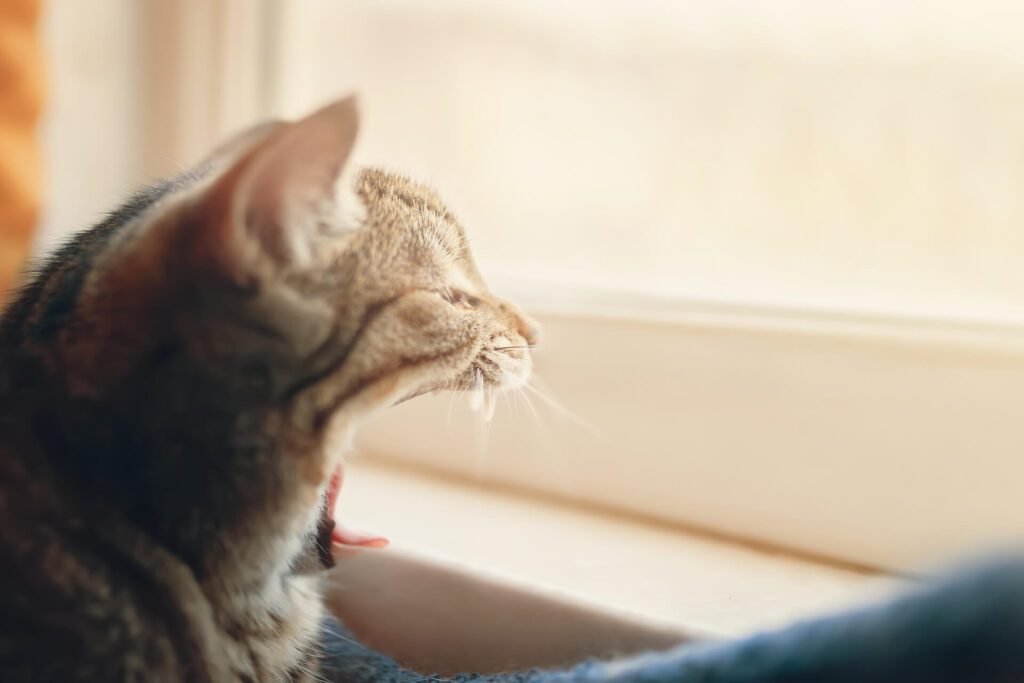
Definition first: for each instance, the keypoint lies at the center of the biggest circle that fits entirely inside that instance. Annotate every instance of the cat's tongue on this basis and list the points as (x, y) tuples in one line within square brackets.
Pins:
[(342, 536)]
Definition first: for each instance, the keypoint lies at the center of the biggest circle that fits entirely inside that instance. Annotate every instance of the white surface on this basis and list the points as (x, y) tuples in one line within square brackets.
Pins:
[(655, 574), (884, 443)]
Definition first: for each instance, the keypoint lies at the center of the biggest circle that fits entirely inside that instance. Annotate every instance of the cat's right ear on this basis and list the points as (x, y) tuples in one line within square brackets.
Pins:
[(278, 206)]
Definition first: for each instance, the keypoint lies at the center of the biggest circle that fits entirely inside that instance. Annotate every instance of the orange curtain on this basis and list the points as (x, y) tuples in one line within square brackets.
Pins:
[(21, 94)]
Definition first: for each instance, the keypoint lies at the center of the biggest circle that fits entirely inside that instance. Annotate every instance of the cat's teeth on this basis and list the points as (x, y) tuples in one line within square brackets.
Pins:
[(476, 399), (490, 401)]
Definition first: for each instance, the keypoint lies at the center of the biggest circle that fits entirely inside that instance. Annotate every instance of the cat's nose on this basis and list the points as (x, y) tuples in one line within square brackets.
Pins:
[(528, 328)]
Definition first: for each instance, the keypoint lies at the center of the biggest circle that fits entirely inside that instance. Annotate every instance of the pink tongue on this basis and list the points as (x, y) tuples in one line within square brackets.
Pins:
[(342, 536)]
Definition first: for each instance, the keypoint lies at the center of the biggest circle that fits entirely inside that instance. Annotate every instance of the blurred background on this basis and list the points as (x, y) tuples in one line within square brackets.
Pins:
[(776, 247), (801, 153)]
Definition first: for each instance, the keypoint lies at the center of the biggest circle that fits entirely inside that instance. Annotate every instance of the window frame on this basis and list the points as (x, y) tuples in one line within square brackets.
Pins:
[(834, 375)]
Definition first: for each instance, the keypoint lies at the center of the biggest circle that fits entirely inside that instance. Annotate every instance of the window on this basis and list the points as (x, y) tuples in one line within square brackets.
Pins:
[(776, 246)]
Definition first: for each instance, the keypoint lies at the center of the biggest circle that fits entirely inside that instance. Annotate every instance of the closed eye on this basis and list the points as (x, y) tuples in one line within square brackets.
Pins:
[(457, 297)]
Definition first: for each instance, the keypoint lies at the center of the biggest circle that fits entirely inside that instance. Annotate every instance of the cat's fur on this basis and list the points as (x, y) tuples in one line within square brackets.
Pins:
[(175, 384)]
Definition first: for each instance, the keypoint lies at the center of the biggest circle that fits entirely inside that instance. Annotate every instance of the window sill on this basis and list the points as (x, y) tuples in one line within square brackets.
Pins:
[(796, 431), (647, 573)]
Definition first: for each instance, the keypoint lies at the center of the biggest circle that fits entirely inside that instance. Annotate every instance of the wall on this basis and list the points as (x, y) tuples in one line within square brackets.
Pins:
[(841, 156), (91, 135)]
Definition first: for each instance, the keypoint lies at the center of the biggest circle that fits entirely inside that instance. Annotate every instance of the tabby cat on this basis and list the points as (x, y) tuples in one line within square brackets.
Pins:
[(177, 383)]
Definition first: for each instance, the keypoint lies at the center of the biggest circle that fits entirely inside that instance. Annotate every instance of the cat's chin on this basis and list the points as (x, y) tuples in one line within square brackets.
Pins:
[(506, 382), (416, 394), (429, 388)]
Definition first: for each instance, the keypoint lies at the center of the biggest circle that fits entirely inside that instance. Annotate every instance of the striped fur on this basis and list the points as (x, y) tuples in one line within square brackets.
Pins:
[(174, 383)]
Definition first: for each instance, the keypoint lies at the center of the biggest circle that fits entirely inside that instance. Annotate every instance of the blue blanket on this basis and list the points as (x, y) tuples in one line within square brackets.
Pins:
[(968, 628)]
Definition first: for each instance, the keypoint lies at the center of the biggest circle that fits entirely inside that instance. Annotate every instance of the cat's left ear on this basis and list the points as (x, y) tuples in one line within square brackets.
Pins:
[(238, 144), (278, 206)]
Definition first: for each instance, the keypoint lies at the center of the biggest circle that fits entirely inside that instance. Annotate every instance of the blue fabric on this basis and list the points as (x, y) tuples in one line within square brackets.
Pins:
[(967, 629)]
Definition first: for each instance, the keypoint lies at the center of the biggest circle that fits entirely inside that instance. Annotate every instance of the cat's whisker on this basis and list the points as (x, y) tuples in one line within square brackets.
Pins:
[(315, 673), (480, 403), (490, 403), (312, 673), (529, 404), (561, 409), (550, 444), (477, 397)]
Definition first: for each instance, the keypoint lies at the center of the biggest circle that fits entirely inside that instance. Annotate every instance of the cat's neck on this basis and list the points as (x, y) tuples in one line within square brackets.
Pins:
[(217, 489)]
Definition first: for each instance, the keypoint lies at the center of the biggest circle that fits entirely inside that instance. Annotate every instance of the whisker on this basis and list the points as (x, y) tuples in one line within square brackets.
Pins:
[(549, 443), (490, 403), (560, 409), (478, 403), (477, 397), (341, 637), (313, 674), (519, 346), (529, 403)]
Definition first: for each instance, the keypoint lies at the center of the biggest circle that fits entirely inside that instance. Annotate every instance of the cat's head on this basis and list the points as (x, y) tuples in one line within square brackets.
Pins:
[(287, 276)]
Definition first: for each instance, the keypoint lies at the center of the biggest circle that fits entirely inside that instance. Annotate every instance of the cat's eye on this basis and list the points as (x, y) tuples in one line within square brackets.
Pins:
[(458, 297)]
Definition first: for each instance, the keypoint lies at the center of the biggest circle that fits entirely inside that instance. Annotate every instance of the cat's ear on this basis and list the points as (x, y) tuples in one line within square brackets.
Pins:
[(238, 144), (277, 206)]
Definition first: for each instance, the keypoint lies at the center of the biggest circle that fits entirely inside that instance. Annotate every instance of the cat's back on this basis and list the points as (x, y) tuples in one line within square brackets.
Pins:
[(87, 596)]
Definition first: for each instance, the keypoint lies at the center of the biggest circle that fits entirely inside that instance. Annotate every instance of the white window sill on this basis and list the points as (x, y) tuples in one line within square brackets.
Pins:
[(797, 430), (653, 574)]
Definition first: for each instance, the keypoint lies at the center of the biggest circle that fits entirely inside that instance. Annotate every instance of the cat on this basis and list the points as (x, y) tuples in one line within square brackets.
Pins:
[(177, 384)]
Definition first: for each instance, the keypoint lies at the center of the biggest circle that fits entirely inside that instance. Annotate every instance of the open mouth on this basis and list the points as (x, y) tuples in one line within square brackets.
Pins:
[(342, 537)]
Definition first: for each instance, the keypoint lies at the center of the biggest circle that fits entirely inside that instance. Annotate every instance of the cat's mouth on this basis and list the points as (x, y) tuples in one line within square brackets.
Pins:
[(499, 366), (342, 536)]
